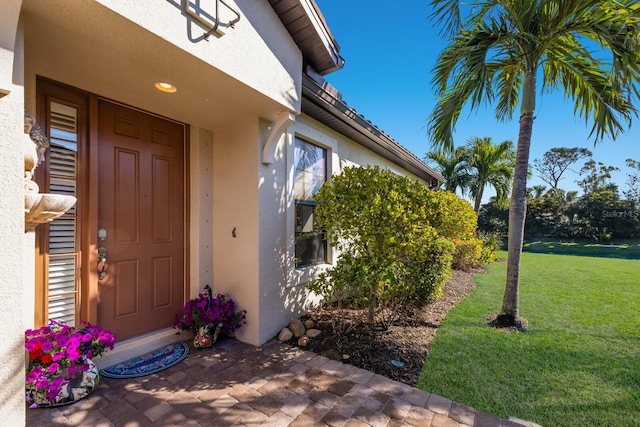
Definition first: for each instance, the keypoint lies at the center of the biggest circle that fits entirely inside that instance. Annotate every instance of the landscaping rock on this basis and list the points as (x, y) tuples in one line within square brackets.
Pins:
[(309, 324), (285, 335), (303, 341), (312, 333), (297, 328)]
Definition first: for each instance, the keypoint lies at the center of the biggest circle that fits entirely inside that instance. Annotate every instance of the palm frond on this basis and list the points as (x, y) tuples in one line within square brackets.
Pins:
[(501, 40)]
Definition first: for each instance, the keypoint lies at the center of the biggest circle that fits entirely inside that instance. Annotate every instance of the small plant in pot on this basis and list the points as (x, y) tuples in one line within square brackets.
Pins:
[(207, 316)]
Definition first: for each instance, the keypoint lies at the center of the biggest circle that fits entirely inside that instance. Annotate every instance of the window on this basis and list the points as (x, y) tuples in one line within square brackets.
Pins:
[(310, 173), (62, 292)]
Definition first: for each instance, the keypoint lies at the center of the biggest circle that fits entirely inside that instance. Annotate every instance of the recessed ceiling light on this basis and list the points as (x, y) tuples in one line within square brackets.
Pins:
[(165, 87)]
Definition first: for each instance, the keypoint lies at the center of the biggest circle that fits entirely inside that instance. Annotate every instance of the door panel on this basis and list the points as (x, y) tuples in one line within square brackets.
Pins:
[(141, 206)]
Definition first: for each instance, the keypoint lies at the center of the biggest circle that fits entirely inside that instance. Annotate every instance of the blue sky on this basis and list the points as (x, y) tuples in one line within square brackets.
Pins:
[(389, 52)]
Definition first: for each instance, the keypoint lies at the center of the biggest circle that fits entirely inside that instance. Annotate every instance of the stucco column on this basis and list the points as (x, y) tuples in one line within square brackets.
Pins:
[(13, 241), (12, 235)]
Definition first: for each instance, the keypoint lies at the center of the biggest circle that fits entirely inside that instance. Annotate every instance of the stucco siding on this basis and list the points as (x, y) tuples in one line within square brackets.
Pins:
[(236, 224), (274, 65), (13, 240), (201, 210), (251, 71)]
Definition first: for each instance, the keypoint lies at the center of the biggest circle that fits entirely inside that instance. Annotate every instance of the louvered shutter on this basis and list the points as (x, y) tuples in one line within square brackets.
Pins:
[(62, 289)]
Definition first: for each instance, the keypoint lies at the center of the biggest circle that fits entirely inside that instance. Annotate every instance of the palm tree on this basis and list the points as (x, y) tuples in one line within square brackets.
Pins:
[(489, 165), (500, 49), (453, 167), (537, 191)]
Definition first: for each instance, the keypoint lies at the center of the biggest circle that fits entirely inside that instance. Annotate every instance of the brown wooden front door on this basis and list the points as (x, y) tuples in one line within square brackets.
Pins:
[(141, 198)]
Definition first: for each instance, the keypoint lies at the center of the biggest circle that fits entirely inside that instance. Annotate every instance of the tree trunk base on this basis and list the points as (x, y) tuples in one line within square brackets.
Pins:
[(508, 321)]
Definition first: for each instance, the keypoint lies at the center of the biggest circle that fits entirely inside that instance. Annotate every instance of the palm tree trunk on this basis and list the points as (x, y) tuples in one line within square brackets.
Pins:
[(518, 206), (478, 201)]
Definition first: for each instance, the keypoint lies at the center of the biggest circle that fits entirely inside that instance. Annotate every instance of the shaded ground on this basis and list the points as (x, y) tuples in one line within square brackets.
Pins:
[(397, 345)]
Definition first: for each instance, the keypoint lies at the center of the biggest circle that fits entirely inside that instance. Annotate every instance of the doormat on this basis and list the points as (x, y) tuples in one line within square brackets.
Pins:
[(148, 363)]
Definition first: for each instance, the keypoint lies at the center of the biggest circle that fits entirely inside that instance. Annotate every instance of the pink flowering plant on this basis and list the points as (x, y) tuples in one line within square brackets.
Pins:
[(208, 312), (59, 352)]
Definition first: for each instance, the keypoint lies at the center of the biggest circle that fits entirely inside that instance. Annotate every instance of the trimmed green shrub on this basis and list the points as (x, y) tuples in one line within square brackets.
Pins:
[(394, 235), (467, 253)]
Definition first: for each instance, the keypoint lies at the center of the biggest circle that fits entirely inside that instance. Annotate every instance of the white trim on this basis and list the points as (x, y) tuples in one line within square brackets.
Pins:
[(276, 130)]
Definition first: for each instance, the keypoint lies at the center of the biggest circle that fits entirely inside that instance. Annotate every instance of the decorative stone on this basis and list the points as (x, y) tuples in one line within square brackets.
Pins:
[(312, 333), (285, 335), (303, 341), (309, 324), (297, 328)]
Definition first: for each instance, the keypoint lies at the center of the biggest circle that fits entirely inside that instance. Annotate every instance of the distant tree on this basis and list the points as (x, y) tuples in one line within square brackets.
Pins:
[(489, 165), (555, 162), (498, 49), (549, 214), (606, 216), (453, 168), (633, 181), (494, 218), (537, 191), (596, 176)]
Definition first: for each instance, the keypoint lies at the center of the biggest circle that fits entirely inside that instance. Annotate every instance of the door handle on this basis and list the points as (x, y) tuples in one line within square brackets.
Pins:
[(102, 262)]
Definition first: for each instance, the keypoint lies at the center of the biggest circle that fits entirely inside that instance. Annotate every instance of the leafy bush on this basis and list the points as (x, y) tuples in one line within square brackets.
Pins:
[(491, 242), (467, 253), (394, 236), (452, 216)]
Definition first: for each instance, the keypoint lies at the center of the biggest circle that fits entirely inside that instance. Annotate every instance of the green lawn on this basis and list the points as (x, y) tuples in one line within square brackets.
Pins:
[(577, 365), (626, 249)]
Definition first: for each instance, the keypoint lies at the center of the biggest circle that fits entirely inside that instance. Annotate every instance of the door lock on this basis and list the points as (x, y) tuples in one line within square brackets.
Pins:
[(102, 262)]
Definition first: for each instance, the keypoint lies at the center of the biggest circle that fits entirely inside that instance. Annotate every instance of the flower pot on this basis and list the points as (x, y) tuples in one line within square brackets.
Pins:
[(78, 387), (204, 338)]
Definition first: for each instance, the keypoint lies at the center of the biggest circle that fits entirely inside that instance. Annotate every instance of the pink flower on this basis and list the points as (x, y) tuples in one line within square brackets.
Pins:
[(42, 382), (34, 374), (56, 354), (73, 354)]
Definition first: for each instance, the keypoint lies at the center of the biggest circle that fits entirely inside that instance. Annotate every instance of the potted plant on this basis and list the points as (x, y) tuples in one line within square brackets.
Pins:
[(206, 317), (60, 369)]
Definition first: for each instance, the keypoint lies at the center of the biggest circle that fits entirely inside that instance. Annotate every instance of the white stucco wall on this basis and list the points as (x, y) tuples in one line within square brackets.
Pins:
[(12, 291), (119, 49), (235, 207), (200, 210), (272, 68)]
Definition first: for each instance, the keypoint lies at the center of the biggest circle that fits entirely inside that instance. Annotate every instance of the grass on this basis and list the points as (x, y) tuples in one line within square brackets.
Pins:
[(625, 249), (577, 365)]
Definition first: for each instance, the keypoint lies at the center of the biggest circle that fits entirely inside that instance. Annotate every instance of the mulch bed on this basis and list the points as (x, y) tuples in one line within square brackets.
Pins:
[(398, 343)]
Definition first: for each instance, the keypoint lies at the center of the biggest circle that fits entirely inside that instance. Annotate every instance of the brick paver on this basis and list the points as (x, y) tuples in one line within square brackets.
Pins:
[(273, 385)]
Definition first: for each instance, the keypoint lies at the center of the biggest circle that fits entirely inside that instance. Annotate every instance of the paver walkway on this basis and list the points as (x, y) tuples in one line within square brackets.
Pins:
[(273, 385)]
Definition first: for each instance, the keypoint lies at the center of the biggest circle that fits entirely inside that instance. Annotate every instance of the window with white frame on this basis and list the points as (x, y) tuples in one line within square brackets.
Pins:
[(310, 163)]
